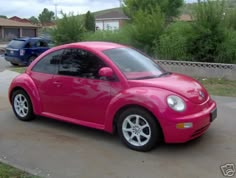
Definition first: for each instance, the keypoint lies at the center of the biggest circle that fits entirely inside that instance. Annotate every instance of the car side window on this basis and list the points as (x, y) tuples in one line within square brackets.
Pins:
[(80, 63), (49, 63), (28, 45)]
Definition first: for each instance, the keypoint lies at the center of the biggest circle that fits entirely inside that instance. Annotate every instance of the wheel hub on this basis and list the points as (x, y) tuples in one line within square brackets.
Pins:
[(21, 104), (136, 129)]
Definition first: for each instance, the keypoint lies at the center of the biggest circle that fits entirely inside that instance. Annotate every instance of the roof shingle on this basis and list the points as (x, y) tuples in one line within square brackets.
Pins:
[(116, 13), (12, 23)]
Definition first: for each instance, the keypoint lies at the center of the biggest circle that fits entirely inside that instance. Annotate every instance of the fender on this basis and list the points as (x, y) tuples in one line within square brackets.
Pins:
[(146, 97), (26, 83)]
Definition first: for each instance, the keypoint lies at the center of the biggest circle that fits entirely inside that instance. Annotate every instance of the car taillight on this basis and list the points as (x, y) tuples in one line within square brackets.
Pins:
[(22, 52)]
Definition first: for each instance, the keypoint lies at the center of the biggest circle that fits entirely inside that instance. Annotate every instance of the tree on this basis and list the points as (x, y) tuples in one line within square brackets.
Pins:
[(147, 27), (169, 7), (69, 28), (3, 16), (89, 22), (46, 16), (34, 20), (208, 30)]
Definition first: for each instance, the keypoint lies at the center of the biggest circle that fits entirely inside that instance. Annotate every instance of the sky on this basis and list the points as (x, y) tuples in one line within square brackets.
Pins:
[(28, 8)]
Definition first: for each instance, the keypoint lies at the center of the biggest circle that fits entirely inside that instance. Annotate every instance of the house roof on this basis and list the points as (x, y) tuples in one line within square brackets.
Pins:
[(115, 13), (12, 23), (18, 19)]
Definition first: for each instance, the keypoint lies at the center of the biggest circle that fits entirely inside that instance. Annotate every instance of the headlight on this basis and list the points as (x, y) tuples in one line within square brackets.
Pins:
[(176, 103)]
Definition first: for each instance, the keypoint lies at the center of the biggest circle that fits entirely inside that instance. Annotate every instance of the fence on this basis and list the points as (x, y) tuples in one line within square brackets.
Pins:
[(198, 69)]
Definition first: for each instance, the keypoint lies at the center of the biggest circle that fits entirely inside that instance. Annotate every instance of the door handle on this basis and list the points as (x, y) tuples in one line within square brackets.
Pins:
[(57, 83)]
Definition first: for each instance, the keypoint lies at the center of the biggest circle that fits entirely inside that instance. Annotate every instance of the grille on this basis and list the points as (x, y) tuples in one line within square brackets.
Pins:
[(200, 131)]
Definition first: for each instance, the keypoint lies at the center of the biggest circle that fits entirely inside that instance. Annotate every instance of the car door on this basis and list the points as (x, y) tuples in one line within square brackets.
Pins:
[(42, 75), (79, 91), (39, 47)]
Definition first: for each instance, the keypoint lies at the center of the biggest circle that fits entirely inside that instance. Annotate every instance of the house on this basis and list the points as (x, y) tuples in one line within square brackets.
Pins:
[(110, 19), (10, 29), (113, 19), (18, 19)]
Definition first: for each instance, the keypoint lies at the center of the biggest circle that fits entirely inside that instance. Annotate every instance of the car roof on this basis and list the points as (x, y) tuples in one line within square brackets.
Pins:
[(98, 45), (29, 38)]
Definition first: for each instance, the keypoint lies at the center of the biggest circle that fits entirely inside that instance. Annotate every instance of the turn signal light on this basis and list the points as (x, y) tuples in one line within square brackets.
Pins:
[(185, 125)]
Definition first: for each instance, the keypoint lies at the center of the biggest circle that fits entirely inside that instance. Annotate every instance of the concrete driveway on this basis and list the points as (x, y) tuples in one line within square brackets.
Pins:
[(4, 64), (55, 149)]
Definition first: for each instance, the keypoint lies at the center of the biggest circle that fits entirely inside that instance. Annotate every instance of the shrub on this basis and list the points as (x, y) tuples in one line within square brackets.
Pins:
[(69, 28), (208, 30), (122, 36), (230, 18), (147, 27), (173, 43), (227, 49)]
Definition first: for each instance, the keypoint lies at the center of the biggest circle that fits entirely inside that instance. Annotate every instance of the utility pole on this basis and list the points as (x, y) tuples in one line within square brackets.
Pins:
[(121, 2), (55, 11)]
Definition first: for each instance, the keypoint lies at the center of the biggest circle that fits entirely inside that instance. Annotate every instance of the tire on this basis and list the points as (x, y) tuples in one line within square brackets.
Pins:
[(138, 129), (14, 64), (31, 59), (22, 106)]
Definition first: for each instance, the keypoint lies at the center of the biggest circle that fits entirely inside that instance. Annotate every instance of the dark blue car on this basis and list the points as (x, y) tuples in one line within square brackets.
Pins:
[(22, 51)]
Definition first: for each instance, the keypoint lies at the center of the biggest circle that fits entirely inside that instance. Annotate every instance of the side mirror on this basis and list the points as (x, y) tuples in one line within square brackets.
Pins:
[(106, 72)]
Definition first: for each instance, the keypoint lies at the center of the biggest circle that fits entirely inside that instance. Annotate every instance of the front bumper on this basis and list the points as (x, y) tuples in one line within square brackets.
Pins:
[(200, 123), (15, 60)]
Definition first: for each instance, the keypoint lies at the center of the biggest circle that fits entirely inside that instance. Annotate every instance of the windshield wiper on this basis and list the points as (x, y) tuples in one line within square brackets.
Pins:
[(164, 74), (152, 76), (146, 77)]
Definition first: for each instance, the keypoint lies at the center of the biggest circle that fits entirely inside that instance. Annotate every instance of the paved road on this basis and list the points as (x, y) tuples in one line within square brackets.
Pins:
[(4, 64), (59, 150)]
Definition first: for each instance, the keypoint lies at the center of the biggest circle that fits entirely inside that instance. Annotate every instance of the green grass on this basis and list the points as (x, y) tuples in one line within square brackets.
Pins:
[(219, 87), (18, 69), (11, 172)]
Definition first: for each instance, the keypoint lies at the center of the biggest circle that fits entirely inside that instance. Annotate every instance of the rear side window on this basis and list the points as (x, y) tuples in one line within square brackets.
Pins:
[(41, 44), (80, 63), (16, 44), (49, 64)]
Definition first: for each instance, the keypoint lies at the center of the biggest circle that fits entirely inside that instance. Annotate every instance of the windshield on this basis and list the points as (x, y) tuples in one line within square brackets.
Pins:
[(16, 44), (134, 64)]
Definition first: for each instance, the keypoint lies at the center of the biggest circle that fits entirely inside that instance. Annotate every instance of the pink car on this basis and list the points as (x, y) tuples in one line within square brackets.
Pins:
[(112, 87)]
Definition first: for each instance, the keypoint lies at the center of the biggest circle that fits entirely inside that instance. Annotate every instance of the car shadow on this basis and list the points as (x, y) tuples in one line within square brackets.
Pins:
[(73, 129), (70, 131)]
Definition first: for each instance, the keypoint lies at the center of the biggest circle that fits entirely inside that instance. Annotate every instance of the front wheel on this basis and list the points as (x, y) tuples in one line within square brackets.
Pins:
[(22, 105), (138, 129)]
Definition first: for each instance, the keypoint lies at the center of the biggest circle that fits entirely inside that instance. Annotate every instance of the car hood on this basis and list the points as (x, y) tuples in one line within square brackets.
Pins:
[(180, 84)]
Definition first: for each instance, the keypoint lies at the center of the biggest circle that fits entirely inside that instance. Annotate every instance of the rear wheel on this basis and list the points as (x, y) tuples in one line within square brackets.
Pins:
[(22, 105), (138, 129), (14, 64)]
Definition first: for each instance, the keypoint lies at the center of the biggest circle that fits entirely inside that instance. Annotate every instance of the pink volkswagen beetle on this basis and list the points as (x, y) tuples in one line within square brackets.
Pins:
[(112, 87)]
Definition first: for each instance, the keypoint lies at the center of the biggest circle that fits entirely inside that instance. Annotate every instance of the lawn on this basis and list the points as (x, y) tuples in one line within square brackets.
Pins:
[(18, 69), (11, 172), (219, 87)]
